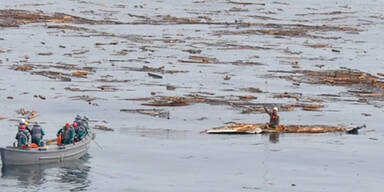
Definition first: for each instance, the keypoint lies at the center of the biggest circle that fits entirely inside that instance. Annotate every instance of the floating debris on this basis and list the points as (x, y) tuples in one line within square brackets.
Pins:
[(200, 59), (28, 114), (86, 98), (114, 80), (161, 69), (316, 45), (103, 127), (156, 76), (53, 75), (40, 96), (193, 51), (245, 3), (296, 96), (111, 43), (311, 107), (366, 114), (169, 102), (247, 97), (80, 51), (363, 85), (152, 112), (32, 114), (14, 18), (22, 67), (242, 128), (260, 109), (240, 62), (170, 87), (80, 73), (252, 90), (22, 111), (341, 77), (45, 54), (379, 94)]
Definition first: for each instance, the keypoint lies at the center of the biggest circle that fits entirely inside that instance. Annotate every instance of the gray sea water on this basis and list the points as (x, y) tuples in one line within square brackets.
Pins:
[(146, 153)]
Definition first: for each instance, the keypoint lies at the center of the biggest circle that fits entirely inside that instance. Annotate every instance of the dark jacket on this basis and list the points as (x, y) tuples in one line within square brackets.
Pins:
[(68, 135), (21, 138), (274, 119), (37, 132)]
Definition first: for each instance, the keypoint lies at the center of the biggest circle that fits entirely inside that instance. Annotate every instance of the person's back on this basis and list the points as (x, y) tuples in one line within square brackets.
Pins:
[(82, 124), (85, 122), (67, 134), (21, 138), (37, 134), (27, 135), (26, 129), (78, 120), (81, 132)]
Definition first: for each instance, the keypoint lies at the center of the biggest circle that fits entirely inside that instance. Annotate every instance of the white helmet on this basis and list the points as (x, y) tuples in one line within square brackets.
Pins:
[(275, 109), (22, 121)]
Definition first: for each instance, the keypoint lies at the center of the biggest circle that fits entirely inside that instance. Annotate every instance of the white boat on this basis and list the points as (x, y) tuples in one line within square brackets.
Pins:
[(51, 153)]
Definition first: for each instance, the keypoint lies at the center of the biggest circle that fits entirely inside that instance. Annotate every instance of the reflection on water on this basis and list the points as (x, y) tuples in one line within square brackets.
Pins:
[(274, 137), (156, 133), (72, 172)]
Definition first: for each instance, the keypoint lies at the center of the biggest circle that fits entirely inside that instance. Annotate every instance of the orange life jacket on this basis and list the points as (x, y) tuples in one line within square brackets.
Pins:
[(33, 145), (59, 139)]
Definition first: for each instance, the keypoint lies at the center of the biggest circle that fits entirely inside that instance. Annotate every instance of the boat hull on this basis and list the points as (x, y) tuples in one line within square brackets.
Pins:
[(51, 154)]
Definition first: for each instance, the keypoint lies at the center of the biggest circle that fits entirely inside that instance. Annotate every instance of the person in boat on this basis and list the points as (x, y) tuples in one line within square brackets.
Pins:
[(26, 130), (79, 130), (274, 118), (82, 124), (78, 120), (22, 138), (25, 123), (37, 134), (85, 122), (67, 134)]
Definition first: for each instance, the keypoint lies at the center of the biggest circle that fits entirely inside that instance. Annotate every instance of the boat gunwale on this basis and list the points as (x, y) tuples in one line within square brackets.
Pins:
[(56, 149)]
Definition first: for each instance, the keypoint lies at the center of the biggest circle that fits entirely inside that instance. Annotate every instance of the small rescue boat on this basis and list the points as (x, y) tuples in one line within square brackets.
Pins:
[(51, 153)]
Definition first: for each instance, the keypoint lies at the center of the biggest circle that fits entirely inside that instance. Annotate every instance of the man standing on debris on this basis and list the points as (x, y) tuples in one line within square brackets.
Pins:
[(274, 118)]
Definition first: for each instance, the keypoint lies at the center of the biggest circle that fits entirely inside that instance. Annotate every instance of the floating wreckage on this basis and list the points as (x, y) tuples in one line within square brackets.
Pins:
[(242, 128)]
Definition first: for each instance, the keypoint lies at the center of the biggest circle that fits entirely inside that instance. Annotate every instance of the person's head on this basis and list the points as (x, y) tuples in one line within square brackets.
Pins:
[(78, 117), (74, 124), (22, 122), (36, 125), (22, 127), (67, 125), (275, 110)]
